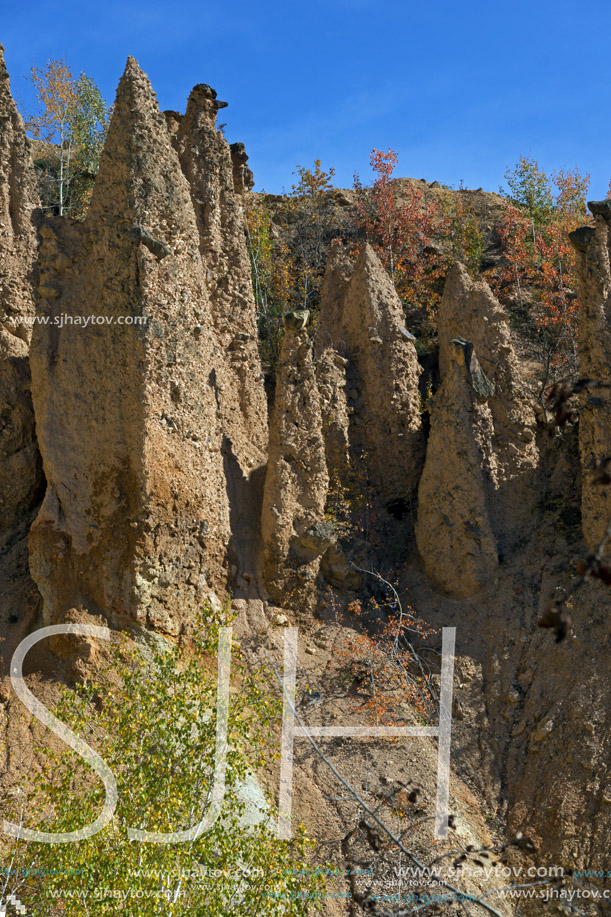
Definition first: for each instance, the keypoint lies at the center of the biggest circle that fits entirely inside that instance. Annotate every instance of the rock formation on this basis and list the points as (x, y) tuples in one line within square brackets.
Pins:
[(20, 472), (454, 532), (293, 528), (331, 380), (593, 247), (136, 517), (206, 160), (151, 417), (470, 310), (362, 322), (243, 179)]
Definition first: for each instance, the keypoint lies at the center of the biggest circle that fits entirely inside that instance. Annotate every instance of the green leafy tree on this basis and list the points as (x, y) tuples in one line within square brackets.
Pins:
[(309, 210), (464, 233), (270, 263), (529, 188), (154, 723), (71, 125), (537, 279), (89, 125)]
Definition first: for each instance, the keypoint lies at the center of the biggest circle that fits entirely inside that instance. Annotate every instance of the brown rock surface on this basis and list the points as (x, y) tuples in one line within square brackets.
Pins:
[(243, 179), (470, 310), (293, 528), (20, 472), (593, 248), (454, 532), (362, 321), (206, 161), (135, 434), (331, 380), (154, 437), (19, 203)]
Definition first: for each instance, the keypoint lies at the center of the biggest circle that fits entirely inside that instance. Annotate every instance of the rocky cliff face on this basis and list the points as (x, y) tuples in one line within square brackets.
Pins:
[(20, 472), (593, 247), (361, 322), (136, 517), (454, 530), (469, 309), (294, 531), (216, 183), (483, 469)]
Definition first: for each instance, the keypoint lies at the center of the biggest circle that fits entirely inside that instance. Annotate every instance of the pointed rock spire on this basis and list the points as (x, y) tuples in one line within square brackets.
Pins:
[(454, 532), (139, 177), (206, 161), (293, 527), (19, 203), (362, 321), (593, 248), (20, 472), (470, 310), (243, 179), (135, 521)]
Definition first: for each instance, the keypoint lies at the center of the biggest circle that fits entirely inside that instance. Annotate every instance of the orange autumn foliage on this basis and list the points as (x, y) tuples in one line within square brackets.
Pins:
[(539, 260), (402, 232)]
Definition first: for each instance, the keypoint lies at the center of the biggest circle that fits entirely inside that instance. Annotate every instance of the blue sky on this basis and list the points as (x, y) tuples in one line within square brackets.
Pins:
[(459, 89)]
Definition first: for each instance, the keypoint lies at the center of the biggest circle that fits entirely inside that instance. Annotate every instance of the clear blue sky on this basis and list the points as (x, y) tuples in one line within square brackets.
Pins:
[(459, 88)]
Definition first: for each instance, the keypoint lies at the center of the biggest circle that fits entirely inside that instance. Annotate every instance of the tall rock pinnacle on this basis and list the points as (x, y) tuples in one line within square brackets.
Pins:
[(135, 520), (20, 471), (454, 531), (469, 310), (362, 322), (206, 160), (482, 463), (593, 247), (293, 529)]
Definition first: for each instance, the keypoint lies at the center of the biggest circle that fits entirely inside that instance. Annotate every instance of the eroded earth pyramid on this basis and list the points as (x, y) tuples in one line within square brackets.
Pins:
[(593, 248), (137, 410), (454, 531), (361, 322), (20, 470), (293, 527)]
